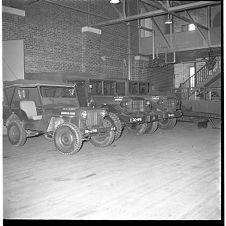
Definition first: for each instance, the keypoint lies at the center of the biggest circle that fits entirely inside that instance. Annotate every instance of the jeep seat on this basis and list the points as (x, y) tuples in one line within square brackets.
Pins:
[(28, 106)]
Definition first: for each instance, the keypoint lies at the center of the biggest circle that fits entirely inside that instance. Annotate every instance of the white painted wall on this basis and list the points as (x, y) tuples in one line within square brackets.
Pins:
[(13, 60)]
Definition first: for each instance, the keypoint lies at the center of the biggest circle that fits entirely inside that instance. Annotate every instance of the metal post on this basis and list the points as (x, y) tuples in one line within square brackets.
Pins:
[(126, 10), (88, 12), (139, 24), (153, 45)]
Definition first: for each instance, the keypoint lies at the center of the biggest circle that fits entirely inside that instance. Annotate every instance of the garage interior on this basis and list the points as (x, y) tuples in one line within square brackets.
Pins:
[(169, 175)]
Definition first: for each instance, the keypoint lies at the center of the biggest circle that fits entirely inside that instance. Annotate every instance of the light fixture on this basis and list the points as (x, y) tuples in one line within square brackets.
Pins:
[(114, 1), (169, 20)]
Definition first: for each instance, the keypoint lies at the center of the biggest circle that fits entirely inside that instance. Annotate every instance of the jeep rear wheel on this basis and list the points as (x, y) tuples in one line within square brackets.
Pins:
[(68, 138), (152, 127), (117, 124), (138, 129), (106, 139), (16, 133), (167, 123)]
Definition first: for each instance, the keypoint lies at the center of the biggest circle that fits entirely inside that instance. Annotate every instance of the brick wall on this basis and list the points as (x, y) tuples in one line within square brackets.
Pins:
[(162, 78), (12, 27), (53, 40)]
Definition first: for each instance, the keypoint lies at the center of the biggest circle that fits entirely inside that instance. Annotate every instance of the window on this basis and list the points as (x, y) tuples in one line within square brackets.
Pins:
[(133, 88), (143, 88), (23, 93), (96, 87), (148, 24), (109, 88), (184, 28), (191, 27), (120, 89)]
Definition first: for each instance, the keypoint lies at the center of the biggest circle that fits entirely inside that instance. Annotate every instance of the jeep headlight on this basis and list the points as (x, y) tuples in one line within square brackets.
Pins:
[(103, 113), (84, 114), (124, 103), (161, 101), (148, 102)]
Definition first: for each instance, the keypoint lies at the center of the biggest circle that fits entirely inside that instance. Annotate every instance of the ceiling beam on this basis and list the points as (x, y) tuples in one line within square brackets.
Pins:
[(156, 25), (159, 12), (163, 7)]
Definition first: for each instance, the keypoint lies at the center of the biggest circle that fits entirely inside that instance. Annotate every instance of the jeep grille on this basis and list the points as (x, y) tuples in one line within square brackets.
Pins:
[(93, 118), (136, 105), (171, 104)]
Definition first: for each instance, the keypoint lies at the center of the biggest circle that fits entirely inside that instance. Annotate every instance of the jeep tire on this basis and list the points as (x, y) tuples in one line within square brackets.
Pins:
[(16, 133), (117, 124), (68, 138), (167, 123), (152, 127), (106, 139)]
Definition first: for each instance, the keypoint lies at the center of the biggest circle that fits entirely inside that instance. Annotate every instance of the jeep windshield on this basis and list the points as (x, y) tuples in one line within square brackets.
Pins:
[(58, 95)]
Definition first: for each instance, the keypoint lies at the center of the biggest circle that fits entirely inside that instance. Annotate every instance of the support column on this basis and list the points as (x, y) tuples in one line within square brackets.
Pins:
[(91, 40), (141, 68)]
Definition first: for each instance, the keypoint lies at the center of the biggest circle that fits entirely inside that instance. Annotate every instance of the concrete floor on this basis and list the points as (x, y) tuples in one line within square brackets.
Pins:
[(171, 174)]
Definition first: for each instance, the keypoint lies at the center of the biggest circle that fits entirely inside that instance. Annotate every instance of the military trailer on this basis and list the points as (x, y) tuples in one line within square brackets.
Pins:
[(55, 110)]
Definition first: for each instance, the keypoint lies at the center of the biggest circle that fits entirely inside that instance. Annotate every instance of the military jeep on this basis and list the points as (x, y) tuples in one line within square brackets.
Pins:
[(133, 113), (53, 109), (167, 106)]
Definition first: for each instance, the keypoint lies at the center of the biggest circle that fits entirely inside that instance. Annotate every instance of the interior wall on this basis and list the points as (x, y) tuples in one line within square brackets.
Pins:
[(53, 39)]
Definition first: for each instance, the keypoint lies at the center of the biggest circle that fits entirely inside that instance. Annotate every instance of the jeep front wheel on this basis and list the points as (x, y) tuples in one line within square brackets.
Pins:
[(117, 124), (167, 123), (68, 138), (16, 133), (152, 127), (105, 139)]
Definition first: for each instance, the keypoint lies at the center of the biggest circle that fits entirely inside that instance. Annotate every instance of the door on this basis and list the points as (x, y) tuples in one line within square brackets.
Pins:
[(192, 78)]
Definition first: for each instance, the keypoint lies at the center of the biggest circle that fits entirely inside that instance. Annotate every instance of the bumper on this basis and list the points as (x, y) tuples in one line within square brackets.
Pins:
[(169, 115), (93, 131)]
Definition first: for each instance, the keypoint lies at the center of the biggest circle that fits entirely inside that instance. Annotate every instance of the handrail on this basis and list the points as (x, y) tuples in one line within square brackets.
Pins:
[(205, 93), (202, 73)]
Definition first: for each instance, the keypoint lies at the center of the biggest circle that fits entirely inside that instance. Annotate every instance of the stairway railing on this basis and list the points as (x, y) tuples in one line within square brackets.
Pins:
[(205, 93), (203, 73)]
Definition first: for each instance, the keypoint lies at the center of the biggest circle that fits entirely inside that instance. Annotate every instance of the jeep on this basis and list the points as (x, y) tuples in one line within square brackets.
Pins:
[(54, 109), (167, 106), (125, 111)]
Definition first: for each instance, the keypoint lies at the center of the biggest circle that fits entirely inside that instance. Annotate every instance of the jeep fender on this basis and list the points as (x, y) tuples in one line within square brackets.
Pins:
[(20, 116)]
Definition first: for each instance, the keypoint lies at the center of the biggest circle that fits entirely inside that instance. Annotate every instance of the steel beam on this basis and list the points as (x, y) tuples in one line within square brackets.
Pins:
[(163, 7), (153, 20), (159, 12), (155, 23)]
